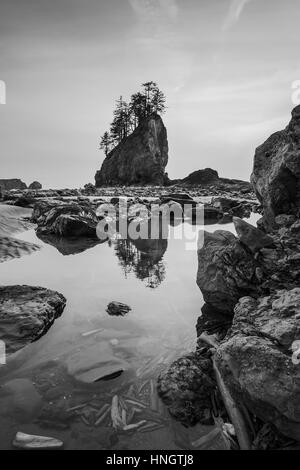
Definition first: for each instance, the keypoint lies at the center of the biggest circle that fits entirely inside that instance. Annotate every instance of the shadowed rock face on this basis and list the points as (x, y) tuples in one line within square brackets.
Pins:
[(26, 314), (276, 172), (141, 158)]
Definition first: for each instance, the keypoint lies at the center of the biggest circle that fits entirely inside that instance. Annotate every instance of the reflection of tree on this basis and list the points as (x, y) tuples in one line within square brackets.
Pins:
[(144, 258)]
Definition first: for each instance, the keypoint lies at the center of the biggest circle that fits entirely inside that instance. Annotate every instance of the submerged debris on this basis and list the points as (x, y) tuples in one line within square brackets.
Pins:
[(29, 441)]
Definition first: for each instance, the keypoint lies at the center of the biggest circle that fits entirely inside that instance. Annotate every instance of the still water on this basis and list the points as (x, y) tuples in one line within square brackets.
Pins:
[(157, 279)]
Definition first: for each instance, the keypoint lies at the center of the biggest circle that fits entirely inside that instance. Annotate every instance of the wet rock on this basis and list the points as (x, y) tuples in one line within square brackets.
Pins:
[(276, 172), (250, 236), (212, 322), (186, 389), (224, 204), (255, 359), (285, 220), (95, 362), (70, 220), (226, 270), (24, 201), (11, 248), (75, 226), (117, 309), (70, 246), (26, 314), (28, 441), (20, 399), (234, 207)]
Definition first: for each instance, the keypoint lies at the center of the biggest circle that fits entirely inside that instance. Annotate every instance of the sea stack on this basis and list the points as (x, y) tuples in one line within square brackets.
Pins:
[(140, 158)]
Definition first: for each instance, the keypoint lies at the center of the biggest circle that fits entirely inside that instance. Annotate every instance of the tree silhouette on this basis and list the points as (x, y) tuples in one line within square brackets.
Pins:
[(106, 142), (127, 117)]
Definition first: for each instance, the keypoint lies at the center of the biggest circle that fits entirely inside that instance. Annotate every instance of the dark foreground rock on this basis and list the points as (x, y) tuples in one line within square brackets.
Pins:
[(226, 270), (276, 172), (256, 359), (253, 264), (26, 314), (117, 309), (70, 220), (186, 389), (140, 158)]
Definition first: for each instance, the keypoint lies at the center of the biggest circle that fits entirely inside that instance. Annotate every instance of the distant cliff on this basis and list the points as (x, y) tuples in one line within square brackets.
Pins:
[(141, 158), (13, 183)]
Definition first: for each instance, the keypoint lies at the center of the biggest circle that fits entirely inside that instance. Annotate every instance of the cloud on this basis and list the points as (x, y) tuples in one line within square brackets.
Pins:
[(151, 11), (235, 10)]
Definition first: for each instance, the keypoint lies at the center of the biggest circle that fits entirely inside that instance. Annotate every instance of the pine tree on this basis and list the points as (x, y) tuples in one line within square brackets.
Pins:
[(128, 116), (106, 142)]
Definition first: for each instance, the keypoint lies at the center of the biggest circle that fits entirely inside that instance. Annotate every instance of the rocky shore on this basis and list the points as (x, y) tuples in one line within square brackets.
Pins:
[(250, 324), (245, 371)]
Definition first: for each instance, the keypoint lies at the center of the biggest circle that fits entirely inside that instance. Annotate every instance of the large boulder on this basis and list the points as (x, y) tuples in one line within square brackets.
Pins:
[(140, 158), (226, 270), (276, 172), (186, 388), (35, 185), (26, 314), (201, 177), (256, 358), (12, 183), (70, 220)]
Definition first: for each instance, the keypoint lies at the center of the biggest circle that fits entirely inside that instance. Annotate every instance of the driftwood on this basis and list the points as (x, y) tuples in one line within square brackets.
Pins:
[(234, 412)]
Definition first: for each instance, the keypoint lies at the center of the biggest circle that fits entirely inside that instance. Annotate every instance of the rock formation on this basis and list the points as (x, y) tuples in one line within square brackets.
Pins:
[(255, 279), (13, 183), (256, 359), (140, 158), (276, 172), (186, 389), (26, 314), (199, 177), (70, 220), (35, 185)]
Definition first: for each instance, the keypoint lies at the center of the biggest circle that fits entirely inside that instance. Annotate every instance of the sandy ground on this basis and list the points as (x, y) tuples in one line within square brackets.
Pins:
[(12, 221)]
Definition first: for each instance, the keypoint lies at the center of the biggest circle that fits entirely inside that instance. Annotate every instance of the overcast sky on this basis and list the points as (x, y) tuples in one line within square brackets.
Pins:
[(226, 67)]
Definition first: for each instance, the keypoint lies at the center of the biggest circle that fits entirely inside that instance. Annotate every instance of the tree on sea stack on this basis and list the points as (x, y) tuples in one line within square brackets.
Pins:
[(106, 143), (128, 116)]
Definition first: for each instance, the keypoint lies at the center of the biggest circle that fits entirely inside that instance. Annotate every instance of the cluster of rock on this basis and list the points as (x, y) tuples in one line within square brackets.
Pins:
[(251, 282)]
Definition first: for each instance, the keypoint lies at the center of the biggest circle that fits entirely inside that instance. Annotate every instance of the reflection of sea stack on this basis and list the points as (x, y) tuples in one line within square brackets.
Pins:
[(144, 258)]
